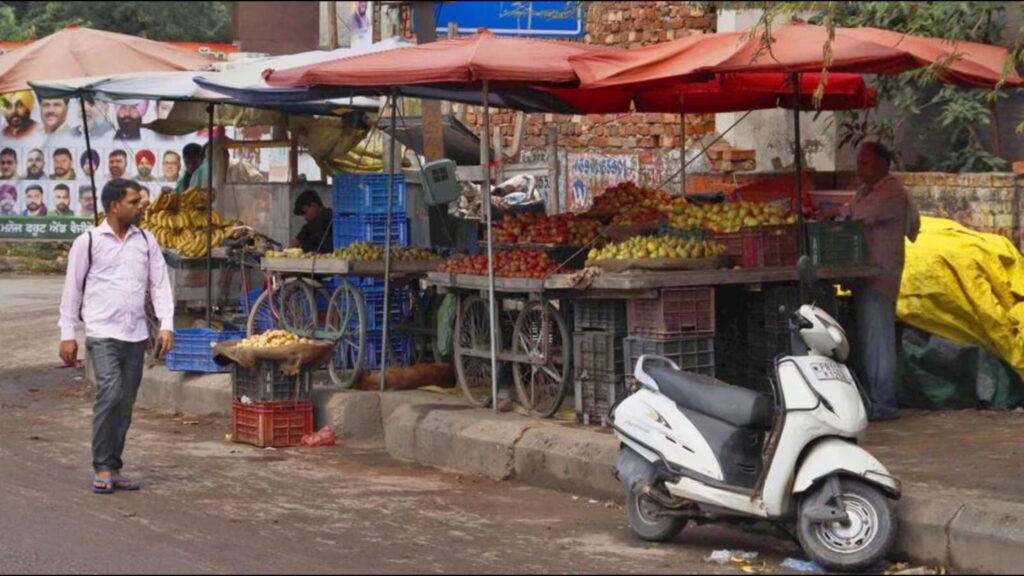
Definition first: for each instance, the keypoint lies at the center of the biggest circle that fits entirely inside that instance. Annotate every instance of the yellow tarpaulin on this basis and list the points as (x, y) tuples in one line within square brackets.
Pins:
[(965, 286)]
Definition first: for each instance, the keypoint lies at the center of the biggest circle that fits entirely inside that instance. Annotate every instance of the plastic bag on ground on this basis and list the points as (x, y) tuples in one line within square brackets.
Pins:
[(722, 557), (323, 437)]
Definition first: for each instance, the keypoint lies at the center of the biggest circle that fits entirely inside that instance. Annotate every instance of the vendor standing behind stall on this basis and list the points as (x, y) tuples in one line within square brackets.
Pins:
[(888, 214), (193, 155), (317, 234)]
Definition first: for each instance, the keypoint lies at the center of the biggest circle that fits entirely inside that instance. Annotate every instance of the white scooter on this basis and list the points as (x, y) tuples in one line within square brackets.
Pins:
[(698, 449)]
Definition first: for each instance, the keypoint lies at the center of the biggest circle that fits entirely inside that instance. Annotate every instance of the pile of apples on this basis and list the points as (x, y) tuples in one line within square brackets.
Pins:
[(627, 195), (561, 229), (632, 215), (728, 217), (644, 247), (507, 264)]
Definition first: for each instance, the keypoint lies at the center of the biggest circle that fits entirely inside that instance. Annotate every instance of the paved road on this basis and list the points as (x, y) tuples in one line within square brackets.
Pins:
[(211, 506)]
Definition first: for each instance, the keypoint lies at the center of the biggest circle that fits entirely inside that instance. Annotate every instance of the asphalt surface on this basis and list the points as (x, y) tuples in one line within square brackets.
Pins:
[(208, 505)]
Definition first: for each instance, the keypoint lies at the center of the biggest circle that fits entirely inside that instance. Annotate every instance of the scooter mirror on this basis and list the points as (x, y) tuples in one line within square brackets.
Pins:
[(806, 271)]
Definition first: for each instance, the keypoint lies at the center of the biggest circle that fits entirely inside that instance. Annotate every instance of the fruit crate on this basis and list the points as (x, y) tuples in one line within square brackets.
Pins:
[(193, 349), (597, 352), (607, 315), (835, 243), (368, 194), (675, 312), (779, 245), (370, 228), (271, 424), (595, 394), (690, 353), (266, 383), (744, 247), (761, 246)]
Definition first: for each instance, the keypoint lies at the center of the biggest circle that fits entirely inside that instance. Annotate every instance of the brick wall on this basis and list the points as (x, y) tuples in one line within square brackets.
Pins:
[(623, 24), (989, 202)]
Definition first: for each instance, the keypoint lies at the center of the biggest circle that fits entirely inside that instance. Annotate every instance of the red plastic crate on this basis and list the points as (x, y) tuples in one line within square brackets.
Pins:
[(677, 311), (761, 246), (781, 245), (273, 424), (743, 246)]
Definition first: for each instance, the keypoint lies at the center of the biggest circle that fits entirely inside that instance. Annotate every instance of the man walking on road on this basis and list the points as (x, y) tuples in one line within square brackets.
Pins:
[(109, 271), (888, 214)]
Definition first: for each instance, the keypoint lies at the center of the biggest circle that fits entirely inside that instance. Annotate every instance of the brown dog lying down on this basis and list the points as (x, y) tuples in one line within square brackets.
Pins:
[(410, 377)]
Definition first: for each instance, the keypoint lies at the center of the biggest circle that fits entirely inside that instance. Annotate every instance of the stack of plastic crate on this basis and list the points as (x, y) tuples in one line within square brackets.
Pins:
[(600, 375), (361, 206), (270, 408), (679, 324)]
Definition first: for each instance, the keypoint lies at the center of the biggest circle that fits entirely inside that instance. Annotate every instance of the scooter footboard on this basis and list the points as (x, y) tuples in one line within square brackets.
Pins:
[(837, 456)]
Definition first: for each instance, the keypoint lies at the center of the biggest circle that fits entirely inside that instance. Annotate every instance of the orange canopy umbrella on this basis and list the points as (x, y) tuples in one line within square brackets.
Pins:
[(796, 48), (75, 52), (458, 61)]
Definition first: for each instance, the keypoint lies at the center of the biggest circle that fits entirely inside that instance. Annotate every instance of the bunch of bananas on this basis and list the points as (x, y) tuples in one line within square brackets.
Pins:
[(178, 222)]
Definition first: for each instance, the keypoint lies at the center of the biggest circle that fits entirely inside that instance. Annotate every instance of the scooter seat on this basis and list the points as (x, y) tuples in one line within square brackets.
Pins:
[(740, 407)]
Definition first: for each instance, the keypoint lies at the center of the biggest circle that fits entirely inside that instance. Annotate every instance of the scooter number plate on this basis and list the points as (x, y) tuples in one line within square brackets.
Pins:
[(830, 371)]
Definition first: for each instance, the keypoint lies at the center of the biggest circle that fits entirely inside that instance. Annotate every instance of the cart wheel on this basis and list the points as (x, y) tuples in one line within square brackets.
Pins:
[(297, 306), (263, 316), (541, 334), (346, 325), (472, 332)]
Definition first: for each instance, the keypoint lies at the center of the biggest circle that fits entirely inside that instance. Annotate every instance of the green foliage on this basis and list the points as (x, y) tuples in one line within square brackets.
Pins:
[(167, 21), (959, 111)]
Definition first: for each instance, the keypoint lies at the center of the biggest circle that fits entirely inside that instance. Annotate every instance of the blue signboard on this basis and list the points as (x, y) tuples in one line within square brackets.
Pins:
[(536, 19)]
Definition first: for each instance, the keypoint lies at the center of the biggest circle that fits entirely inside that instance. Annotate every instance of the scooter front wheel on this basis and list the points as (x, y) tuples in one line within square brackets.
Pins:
[(857, 544), (647, 523)]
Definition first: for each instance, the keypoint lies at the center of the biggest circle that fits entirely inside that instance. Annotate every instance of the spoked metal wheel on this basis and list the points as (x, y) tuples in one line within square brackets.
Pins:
[(857, 544), (297, 305), (345, 323), (473, 350), (262, 316), (540, 334)]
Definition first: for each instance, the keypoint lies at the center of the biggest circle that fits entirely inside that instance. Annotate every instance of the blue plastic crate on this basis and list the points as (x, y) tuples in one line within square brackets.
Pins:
[(193, 349), (401, 346), (367, 194), (373, 300), (370, 228)]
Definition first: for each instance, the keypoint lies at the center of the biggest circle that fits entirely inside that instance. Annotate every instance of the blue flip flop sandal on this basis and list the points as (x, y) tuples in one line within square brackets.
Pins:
[(102, 486)]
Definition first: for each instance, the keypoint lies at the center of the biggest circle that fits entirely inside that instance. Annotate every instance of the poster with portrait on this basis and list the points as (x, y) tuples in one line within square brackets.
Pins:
[(45, 167)]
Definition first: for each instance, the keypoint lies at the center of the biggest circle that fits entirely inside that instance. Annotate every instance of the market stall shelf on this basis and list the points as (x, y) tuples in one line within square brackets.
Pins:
[(334, 266)]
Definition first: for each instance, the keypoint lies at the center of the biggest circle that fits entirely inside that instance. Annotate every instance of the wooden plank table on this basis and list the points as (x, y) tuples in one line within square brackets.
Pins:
[(644, 282), (334, 266)]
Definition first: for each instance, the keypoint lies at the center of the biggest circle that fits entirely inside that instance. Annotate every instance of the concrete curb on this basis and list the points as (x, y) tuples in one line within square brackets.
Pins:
[(955, 528)]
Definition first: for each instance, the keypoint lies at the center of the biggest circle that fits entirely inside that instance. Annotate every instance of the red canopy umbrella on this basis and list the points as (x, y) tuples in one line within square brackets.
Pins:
[(796, 48), (76, 52), (724, 93)]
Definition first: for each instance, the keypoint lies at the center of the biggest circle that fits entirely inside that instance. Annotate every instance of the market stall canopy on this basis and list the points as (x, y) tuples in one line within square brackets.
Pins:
[(77, 52), (451, 70), (725, 93), (797, 48)]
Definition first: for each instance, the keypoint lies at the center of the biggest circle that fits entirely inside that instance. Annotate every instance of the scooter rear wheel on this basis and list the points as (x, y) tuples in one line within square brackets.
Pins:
[(641, 511), (857, 545)]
